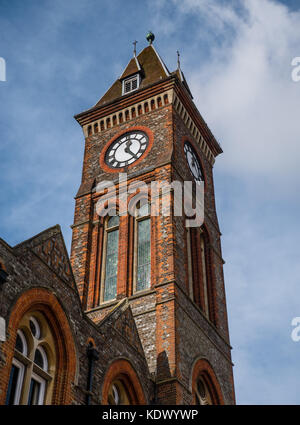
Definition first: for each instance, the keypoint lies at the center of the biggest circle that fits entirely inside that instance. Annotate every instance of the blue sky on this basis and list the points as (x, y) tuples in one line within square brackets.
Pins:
[(62, 56)]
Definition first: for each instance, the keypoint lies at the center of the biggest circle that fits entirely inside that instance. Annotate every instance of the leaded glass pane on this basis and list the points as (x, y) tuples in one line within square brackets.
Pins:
[(33, 327), (34, 393), (144, 210), (12, 385), (38, 359), (113, 221), (19, 344), (143, 255), (111, 265)]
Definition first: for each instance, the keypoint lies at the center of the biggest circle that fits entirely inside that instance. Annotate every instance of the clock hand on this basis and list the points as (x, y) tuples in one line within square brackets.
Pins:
[(127, 149)]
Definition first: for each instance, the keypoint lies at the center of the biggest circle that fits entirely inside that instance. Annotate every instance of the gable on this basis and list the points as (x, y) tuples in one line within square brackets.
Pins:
[(132, 68), (49, 246), (121, 319)]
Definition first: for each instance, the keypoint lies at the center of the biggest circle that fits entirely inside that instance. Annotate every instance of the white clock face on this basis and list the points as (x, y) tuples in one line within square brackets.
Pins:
[(126, 149), (193, 161)]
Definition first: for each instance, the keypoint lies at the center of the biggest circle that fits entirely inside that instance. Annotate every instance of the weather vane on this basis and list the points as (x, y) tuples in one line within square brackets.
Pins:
[(134, 49), (178, 59)]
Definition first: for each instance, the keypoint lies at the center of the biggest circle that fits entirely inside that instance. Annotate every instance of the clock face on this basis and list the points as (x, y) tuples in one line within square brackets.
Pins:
[(127, 149), (193, 161)]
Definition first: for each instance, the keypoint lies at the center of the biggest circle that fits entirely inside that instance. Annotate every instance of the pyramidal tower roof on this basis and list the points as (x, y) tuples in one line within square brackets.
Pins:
[(148, 63), (144, 74)]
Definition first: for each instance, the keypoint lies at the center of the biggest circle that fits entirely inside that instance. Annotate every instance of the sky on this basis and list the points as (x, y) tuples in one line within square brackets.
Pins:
[(61, 57)]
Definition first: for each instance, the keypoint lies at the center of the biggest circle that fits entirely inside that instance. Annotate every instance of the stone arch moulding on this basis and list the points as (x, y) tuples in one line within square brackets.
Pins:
[(42, 300), (202, 367), (122, 368)]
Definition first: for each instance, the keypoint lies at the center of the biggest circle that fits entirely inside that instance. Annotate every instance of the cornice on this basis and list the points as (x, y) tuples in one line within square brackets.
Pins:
[(128, 107), (124, 101)]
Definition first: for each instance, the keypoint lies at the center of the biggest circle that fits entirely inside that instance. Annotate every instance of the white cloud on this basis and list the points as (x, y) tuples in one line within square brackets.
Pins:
[(245, 89), (250, 100)]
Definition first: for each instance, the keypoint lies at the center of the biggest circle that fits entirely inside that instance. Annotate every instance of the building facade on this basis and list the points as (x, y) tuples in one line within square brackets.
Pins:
[(138, 314)]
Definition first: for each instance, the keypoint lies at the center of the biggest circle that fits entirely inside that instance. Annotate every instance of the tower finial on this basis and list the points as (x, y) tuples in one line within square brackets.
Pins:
[(178, 59), (134, 48), (150, 37)]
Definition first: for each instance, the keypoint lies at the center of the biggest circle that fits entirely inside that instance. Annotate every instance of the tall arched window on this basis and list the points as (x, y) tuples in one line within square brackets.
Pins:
[(142, 249), (33, 364), (204, 280), (110, 259), (190, 263), (199, 274)]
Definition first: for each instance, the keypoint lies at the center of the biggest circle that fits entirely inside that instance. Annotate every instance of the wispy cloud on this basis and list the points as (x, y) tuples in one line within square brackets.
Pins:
[(237, 58)]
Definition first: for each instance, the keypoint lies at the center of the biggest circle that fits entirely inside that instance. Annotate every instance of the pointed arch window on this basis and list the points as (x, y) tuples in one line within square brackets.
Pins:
[(110, 259), (142, 250), (34, 363), (199, 273), (204, 275), (190, 262)]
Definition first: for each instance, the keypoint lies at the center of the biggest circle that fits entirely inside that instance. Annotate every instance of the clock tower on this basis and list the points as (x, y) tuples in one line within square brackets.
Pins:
[(146, 128)]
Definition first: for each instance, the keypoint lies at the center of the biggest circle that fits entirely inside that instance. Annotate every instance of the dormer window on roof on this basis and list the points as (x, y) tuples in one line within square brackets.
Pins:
[(131, 84)]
